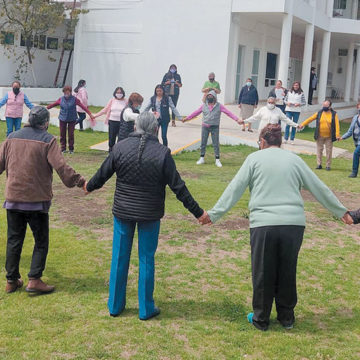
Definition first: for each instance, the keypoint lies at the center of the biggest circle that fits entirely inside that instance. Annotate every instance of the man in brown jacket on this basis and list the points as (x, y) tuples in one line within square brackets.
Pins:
[(29, 157)]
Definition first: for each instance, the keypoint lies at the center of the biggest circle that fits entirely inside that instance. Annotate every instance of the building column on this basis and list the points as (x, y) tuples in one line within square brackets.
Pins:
[(325, 55), (77, 50), (357, 76), (349, 72), (330, 8), (355, 9), (307, 59), (285, 48)]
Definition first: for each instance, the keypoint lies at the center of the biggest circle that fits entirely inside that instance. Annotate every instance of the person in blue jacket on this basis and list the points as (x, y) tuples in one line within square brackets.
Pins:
[(248, 101), (354, 130)]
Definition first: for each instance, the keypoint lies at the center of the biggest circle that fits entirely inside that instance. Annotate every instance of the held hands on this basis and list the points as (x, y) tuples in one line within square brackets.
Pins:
[(184, 119), (85, 189), (300, 126), (347, 219), (204, 219), (240, 122)]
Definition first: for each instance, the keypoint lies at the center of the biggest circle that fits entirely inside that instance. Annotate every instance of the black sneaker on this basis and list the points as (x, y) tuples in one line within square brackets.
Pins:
[(352, 175), (327, 168), (319, 167)]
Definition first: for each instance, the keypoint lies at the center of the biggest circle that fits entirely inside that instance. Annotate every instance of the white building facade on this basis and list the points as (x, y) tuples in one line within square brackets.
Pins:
[(131, 43)]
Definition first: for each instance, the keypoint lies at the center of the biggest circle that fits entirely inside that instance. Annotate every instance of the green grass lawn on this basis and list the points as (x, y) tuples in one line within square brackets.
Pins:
[(203, 276)]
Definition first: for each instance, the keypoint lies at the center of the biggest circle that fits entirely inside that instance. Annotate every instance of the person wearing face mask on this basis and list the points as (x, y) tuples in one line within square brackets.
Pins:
[(269, 114), (354, 131), (294, 100), (14, 100), (81, 94), (129, 115), (326, 132), (248, 101), (211, 111), (160, 104), (28, 194), (68, 116), (113, 111), (211, 84), (279, 93), (172, 84)]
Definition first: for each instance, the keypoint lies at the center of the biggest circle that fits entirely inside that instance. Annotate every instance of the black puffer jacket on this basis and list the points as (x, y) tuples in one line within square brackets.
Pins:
[(143, 167), (126, 127)]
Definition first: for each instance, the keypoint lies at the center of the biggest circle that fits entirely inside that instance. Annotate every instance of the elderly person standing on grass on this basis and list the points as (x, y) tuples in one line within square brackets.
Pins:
[(248, 101), (68, 117), (143, 168), (277, 222), (28, 195), (326, 132), (269, 114)]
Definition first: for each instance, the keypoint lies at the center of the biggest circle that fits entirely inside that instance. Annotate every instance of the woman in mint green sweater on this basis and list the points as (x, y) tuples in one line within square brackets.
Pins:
[(277, 221)]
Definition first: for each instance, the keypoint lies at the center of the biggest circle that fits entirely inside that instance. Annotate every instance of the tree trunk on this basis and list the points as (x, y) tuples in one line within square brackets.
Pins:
[(28, 51), (59, 66)]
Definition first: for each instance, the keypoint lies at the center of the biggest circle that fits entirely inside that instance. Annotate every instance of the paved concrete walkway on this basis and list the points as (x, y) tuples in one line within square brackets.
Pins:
[(186, 137)]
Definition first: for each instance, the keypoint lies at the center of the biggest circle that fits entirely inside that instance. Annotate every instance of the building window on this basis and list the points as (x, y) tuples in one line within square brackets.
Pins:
[(40, 42), (26, 42), (255, 67), (68, 44), (340, 4), (7, 38), (343, 52), (52, 43), (271, 60)]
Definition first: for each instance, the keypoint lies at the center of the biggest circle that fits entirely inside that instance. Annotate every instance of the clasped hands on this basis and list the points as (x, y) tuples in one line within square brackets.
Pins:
[(204, 219)]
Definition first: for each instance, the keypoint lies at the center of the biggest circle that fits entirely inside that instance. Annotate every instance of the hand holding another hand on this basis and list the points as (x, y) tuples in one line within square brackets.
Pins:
[(85, 188), (204, 219), (347, 219)]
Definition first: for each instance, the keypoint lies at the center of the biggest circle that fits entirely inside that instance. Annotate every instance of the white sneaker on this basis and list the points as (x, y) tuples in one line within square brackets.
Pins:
[(200, 161), (285, 141), (292, 142), (218, 163)]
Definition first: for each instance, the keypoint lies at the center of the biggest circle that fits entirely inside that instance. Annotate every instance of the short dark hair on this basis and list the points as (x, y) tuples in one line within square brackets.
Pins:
[(312, 69), (249, 79), (329, 101), (116, 90), (67, 88), (38, 117), (16, 82), (271, 133)]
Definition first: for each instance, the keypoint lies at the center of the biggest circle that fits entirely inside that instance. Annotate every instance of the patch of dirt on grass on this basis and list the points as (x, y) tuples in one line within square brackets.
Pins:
[(189, 175), (238, 223), (71, 206)]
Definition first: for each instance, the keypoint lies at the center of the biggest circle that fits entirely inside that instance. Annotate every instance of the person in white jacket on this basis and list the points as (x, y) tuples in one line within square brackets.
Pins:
[(269, 114)]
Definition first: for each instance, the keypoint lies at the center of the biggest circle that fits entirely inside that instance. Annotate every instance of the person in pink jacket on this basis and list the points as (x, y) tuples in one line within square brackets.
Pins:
[(113, 111), (15, 100), (81, 94)]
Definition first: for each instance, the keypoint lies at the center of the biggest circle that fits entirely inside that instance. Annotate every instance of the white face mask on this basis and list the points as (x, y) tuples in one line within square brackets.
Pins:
[(270, 106), (119, 96)]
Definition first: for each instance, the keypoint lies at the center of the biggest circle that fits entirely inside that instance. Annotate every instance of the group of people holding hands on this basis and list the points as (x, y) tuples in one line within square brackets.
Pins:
[(143, 169)]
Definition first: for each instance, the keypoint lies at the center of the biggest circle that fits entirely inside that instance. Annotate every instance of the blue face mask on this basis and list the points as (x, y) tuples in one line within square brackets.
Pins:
[(173, 71), (138, 107), (248, 83)]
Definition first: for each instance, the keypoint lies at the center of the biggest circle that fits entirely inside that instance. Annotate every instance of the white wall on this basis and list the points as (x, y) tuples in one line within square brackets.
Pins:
[(45, 70), (132, 43)]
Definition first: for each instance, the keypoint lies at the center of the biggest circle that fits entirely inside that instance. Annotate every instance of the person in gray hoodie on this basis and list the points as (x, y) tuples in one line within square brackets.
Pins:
[(211, 111)]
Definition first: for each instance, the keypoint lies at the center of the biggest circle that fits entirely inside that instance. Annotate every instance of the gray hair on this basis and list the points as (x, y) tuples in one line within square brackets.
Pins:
[(39, 116), (146, 123), (212, 73)]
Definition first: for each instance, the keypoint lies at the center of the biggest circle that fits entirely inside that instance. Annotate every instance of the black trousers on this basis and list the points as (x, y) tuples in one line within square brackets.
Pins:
[(114, 127), (274, 254), (174, 99), (17, 223), (310, 98)]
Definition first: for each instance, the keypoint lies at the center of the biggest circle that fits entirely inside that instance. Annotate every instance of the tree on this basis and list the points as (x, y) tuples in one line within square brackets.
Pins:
[(33, 19)]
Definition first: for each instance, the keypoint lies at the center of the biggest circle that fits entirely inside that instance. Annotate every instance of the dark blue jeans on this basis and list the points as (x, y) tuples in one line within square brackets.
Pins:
[(164, 129), (294, 116), (82, 117), (148, 234), (356, 157)]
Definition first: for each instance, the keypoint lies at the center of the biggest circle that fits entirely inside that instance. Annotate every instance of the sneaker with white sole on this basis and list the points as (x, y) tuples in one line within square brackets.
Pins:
[(218, 163), (285, 141), (200, 161), (292, 142)]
